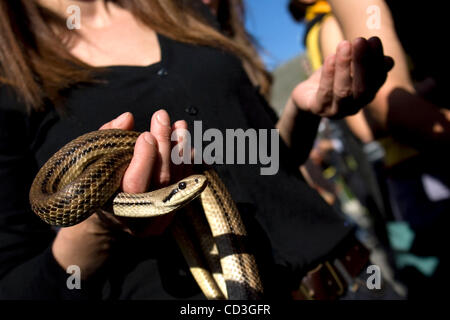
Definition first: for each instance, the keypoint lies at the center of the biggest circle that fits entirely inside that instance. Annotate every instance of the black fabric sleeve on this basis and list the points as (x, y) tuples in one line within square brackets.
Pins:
[(261, 115), (28, 269)]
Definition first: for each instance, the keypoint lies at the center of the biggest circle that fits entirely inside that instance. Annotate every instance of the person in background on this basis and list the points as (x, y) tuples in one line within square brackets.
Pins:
[(409, 116)]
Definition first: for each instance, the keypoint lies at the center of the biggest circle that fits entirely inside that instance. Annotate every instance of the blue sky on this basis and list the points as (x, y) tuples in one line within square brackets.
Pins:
[(270, 23)]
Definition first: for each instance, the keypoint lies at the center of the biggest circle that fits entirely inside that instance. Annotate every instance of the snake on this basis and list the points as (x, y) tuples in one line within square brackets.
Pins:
[(85, 176)]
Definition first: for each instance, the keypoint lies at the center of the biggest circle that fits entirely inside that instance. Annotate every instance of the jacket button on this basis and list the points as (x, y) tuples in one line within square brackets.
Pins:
[(162, 72), (191, 110)]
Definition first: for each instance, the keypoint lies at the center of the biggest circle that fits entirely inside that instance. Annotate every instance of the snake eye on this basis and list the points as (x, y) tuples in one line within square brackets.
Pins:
[(196, 180), (182, 185)]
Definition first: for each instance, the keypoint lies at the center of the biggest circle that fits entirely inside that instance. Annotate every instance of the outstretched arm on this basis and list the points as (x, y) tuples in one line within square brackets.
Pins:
[(397, 108), (347, 81)]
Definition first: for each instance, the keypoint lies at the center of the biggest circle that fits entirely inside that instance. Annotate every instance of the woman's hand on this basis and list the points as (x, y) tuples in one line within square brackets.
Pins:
[(88, 243), (347, 81), (150, 166)]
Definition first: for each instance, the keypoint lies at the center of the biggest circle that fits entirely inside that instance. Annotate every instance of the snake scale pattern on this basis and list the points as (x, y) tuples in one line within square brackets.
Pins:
[(86, 174)]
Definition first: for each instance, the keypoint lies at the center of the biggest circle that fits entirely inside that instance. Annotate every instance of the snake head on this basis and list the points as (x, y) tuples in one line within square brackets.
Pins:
[(184, 191), (160, 201)]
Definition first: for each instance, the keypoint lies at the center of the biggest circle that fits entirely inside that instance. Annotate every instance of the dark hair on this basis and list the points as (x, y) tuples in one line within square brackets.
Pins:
[(34, 41), (297, 10)]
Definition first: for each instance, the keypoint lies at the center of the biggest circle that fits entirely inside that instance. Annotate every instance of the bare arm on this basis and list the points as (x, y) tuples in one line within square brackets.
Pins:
[(396, 108), (347, 81)]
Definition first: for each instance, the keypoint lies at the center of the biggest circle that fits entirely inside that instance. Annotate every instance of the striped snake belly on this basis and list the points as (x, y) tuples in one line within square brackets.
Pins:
[(86, 173)]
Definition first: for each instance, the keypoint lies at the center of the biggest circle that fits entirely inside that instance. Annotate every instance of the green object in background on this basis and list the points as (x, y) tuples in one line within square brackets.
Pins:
[(351, 163), (401, 236), (329, 172), (426, 265)]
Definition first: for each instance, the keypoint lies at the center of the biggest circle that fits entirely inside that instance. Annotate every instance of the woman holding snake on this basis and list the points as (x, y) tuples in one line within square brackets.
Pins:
[(130, 60)]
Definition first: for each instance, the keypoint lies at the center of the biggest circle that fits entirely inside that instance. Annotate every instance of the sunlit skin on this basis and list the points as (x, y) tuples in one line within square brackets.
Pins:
[(308, 2)]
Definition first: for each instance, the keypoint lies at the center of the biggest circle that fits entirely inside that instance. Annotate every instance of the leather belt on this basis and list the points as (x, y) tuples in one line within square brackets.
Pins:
[(331, 279)]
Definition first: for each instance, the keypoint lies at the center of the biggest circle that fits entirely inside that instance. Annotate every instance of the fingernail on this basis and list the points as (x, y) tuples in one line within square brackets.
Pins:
[(345, 48), (120, 119), (374, 41), (148, 138), (162, 120)]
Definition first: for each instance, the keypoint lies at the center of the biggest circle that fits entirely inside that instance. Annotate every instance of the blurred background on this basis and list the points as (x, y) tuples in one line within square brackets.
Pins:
[(348, 174), (267, 20), (283, 55)]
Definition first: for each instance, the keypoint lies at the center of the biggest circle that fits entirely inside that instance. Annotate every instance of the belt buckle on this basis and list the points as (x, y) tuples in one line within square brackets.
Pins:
[(309, 291), (334, 274), (306, 293)]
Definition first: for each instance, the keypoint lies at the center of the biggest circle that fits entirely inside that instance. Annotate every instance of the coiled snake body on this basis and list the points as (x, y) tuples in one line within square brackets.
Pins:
[(81, 177)]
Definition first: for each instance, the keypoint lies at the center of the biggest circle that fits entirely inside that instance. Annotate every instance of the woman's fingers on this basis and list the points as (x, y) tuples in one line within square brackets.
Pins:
[(371, 67), (388, 63), (361, 67), (378, 63), (182, 170), (343, 86), (151, 163), (152, 155), (376, 48), (325, 90), (125, 122), (142, 166), (347, 81), (182, 125), (139, 172), (351, 78), (161, 130)]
